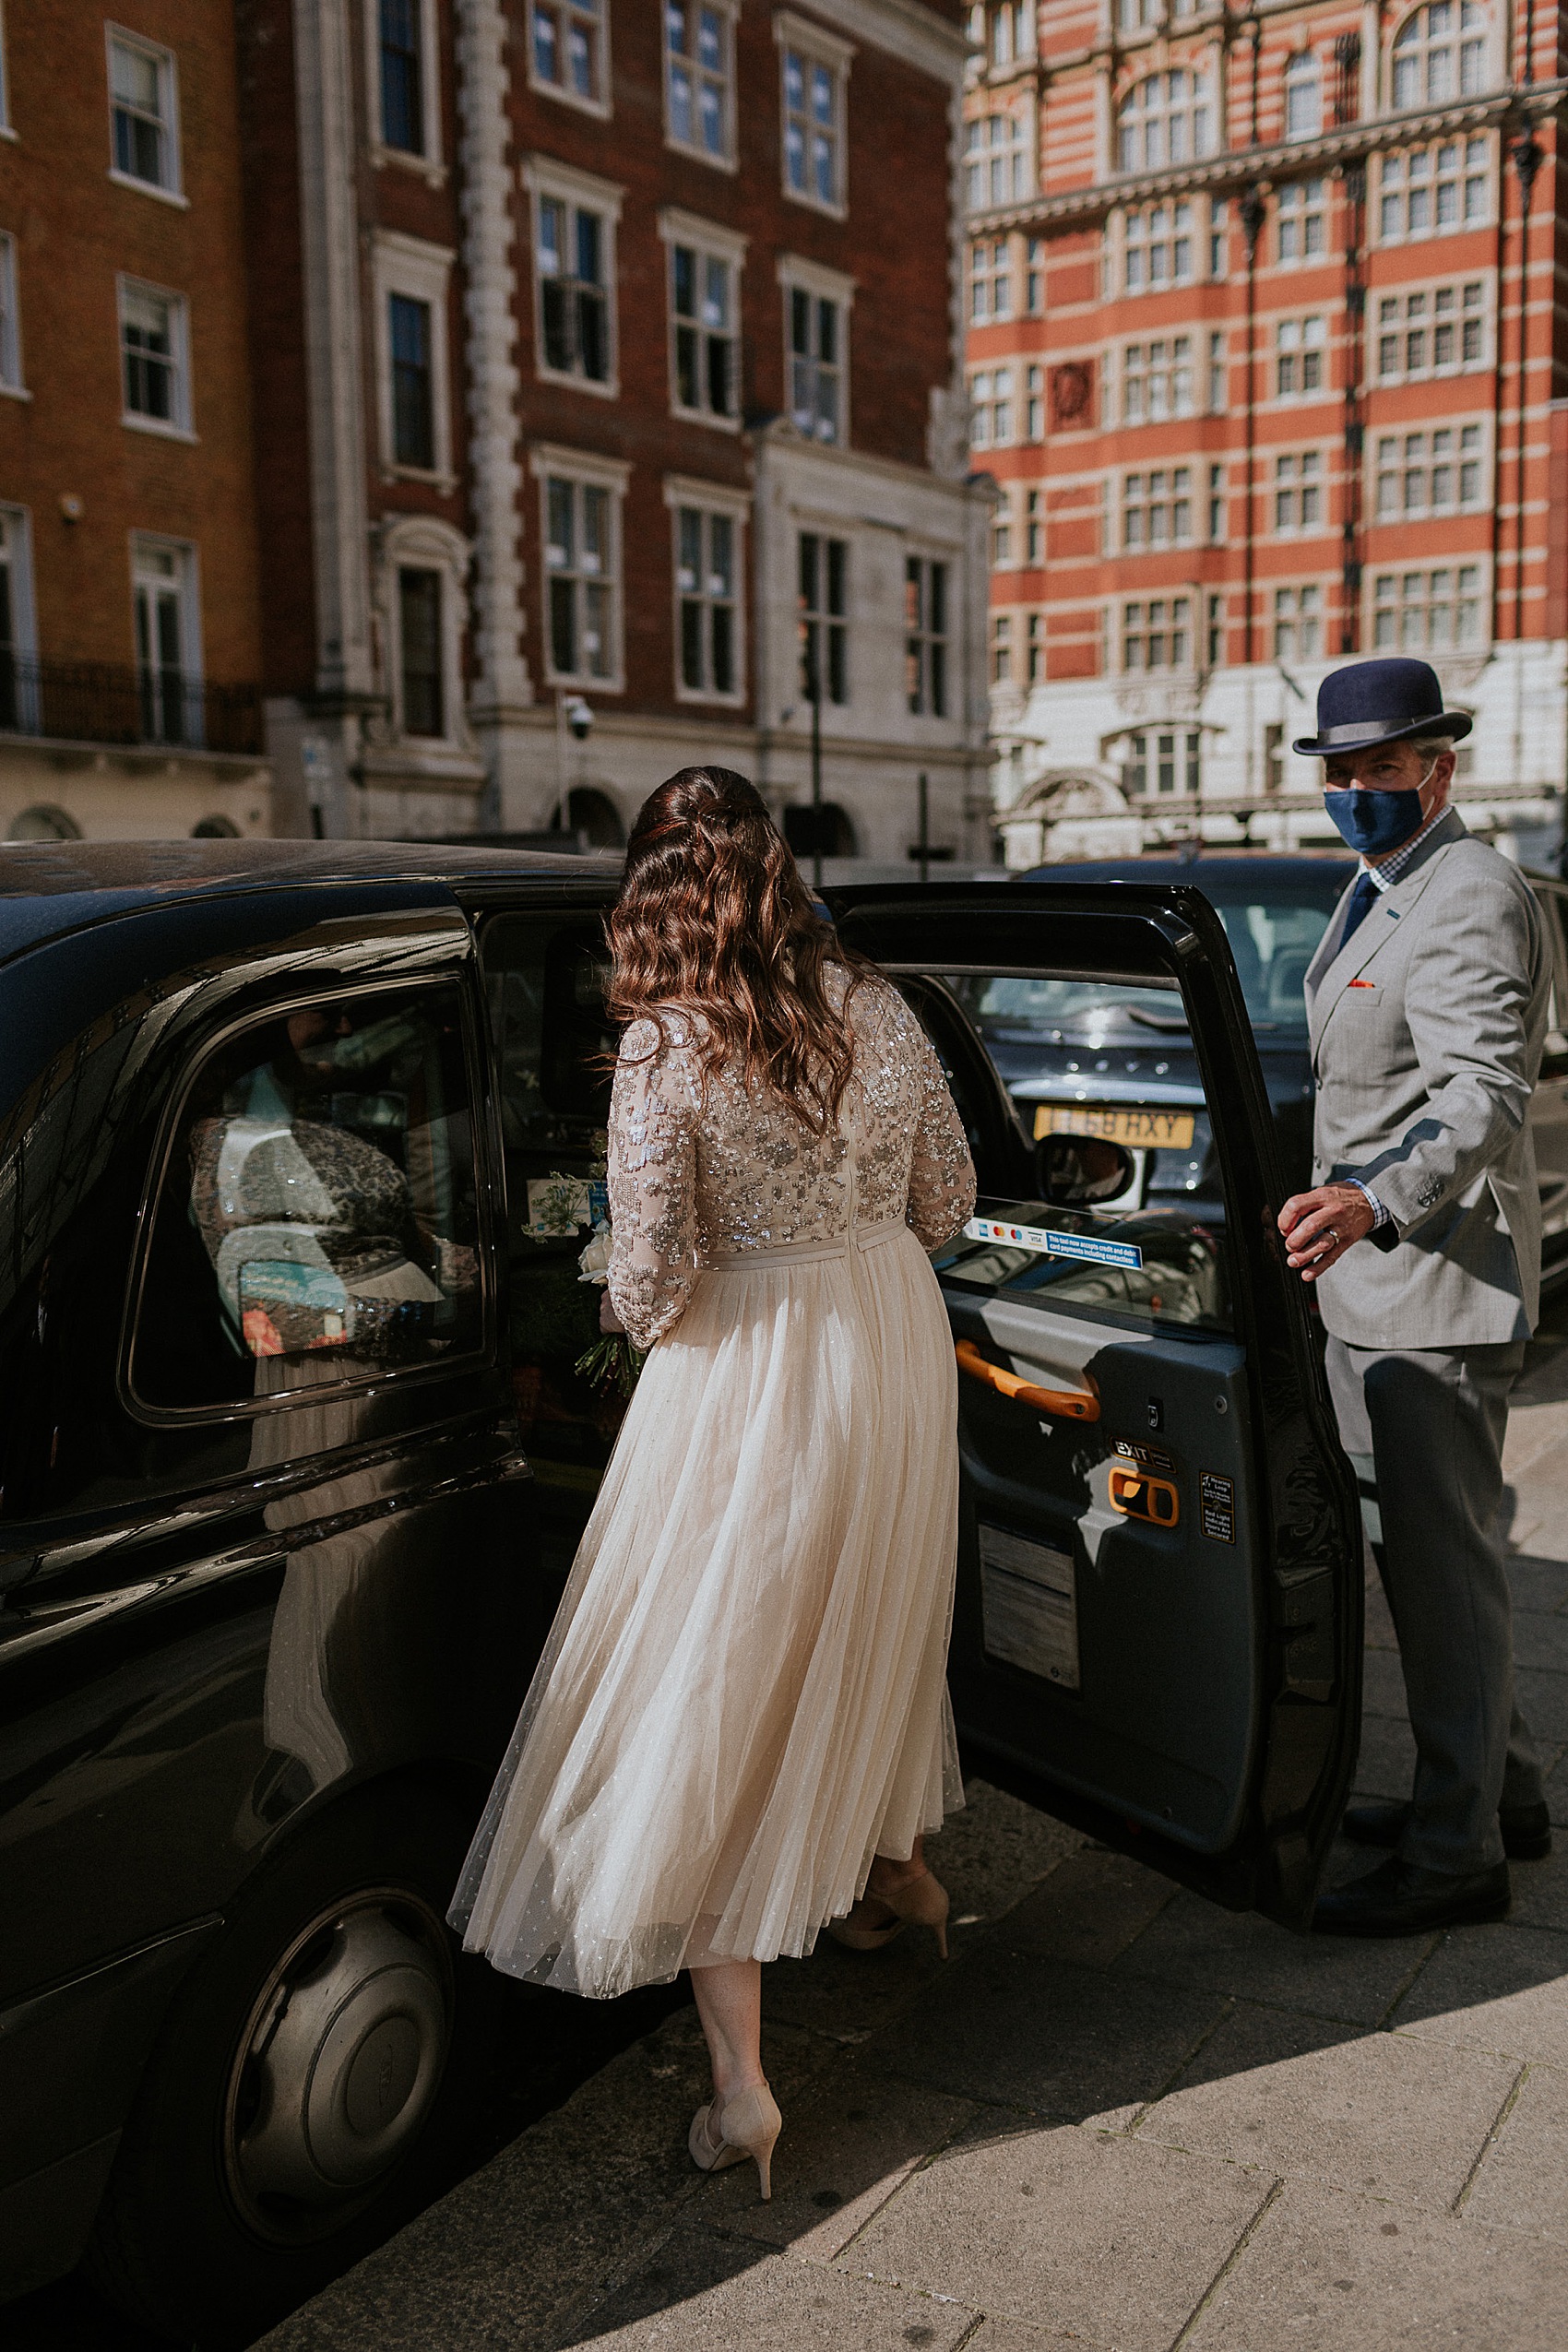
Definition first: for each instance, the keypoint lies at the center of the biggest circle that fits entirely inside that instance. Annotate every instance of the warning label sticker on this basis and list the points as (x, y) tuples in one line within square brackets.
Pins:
[(1217, 1502)]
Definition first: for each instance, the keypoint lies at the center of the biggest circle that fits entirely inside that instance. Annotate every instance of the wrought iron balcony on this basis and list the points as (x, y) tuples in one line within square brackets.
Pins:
[(97, 702)]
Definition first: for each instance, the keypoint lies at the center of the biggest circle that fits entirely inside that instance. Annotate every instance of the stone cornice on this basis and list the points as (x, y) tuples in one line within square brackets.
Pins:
[(1239, 167)]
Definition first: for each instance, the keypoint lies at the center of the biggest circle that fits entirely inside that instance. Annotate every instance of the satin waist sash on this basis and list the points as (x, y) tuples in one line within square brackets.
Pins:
[(855, 1237)]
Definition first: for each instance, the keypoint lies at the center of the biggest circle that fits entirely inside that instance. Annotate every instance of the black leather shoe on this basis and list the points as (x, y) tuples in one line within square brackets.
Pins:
[(1400, 1898), (1526, 1829)]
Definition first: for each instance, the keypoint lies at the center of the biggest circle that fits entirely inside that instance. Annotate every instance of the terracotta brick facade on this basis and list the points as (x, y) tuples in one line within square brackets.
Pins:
[(885, 476), (1256, 329), (92, 743)]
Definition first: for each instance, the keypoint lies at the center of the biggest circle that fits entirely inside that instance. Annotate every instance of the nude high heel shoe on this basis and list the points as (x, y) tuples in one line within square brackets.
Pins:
[(920, 1901), (746, 2125)]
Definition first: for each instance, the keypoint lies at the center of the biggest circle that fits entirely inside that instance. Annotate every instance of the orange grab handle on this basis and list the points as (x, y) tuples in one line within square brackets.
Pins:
[(1068, 1404), (1138, 1496)]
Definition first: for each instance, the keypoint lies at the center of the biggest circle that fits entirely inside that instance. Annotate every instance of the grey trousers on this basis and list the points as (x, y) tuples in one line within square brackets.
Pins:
[(1425, 1428)]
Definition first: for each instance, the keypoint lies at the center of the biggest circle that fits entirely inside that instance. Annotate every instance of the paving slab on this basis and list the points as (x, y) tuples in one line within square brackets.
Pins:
[(510, 2252), (1324, 2272), (843, 2153), (1375, 2111), (700, 2292), (1523, 2180), (1386, 1765), (1090, 1909), (1502, 1987), (1070, 2229), (1557, 1791), (1538, 1585), (1379, 1622), (989, 1855), (1544, 1698), (1540, 1889), (1194, 1942), (1036, 2034), (1382, 1685)]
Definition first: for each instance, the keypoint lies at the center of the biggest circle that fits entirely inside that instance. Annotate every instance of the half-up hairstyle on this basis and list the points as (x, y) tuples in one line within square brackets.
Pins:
[(713, 921)]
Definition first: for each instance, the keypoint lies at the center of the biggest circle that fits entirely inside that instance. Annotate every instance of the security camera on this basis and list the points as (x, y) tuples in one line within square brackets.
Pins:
[(580, 718)]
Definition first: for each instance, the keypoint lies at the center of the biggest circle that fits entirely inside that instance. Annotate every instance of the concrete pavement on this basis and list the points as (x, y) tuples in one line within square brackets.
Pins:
[(1117, 2118)]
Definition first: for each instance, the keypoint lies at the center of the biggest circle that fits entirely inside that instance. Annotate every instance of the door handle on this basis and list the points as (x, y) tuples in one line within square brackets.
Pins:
[(1070, 1404), (1138, 1496)]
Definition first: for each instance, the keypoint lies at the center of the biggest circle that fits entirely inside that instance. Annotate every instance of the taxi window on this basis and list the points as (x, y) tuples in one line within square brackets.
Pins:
[(316, 1220), (1111, 1063)]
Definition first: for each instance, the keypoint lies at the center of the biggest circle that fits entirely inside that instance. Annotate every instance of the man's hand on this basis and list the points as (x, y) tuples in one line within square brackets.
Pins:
[(1320, 1226)]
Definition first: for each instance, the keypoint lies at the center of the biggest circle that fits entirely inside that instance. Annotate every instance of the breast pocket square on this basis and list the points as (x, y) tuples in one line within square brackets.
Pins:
[(1361, 983)]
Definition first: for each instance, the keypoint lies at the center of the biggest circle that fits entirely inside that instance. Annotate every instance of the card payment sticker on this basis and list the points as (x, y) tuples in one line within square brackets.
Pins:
[(1053, 1244)]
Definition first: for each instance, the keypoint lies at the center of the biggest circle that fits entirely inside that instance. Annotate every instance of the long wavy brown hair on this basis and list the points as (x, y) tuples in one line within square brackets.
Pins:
[(713, 921)]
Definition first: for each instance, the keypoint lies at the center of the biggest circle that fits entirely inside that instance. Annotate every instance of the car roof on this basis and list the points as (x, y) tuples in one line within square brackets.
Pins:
[(1234, 866), (48, 888)]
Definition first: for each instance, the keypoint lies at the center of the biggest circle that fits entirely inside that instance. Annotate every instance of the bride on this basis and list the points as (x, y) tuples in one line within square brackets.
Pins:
[(739, 1729)]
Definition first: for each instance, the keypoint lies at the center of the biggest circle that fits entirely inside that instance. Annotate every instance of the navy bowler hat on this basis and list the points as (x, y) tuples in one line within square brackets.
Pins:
[(1378, 702)]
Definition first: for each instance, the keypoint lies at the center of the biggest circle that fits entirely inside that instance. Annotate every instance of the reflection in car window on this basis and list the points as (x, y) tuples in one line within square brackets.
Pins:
[(316, 1221)]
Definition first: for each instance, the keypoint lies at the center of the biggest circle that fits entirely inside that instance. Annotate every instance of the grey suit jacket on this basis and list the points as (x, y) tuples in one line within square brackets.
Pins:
[(1426, 1033)]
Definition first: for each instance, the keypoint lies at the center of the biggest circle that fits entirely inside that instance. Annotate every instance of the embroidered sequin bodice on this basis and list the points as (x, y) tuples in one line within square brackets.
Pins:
[(696, 1173)]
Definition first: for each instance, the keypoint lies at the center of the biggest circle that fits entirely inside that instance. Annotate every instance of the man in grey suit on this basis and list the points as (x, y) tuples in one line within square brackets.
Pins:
[(1427, 1005)]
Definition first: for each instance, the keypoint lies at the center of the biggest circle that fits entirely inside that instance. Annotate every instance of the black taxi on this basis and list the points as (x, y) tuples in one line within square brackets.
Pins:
[(300, 1147)]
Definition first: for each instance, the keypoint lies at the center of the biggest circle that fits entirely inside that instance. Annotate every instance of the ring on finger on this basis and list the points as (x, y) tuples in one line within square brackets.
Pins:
[(1332, 1235)]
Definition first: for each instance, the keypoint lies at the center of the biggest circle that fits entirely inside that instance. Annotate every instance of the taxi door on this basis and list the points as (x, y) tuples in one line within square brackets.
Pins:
[(1157, 1631)]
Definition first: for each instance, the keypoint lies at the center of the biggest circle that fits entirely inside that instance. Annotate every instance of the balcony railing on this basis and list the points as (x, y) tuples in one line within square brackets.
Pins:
[(96, 702)]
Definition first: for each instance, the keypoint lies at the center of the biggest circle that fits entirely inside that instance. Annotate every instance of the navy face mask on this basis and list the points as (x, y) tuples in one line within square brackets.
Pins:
[(1372, 821)]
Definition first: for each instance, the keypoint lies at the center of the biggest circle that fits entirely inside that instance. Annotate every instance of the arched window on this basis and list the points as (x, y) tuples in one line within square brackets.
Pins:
[(1166, 118), (44, 821), (1438, 54), (1304, 96)]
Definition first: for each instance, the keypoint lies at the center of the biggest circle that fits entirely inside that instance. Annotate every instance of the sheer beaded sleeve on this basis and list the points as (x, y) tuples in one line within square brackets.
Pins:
[(942, 1174), (653, 1163)]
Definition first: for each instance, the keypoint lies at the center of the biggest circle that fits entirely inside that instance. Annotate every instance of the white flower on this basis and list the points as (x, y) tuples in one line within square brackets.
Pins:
[(594, 1262)]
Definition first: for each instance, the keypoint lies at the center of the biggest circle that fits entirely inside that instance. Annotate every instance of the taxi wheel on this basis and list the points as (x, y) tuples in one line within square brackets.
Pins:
[(294, 2110)]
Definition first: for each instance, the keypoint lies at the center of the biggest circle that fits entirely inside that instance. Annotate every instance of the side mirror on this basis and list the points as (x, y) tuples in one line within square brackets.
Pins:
[(1076, 1172)]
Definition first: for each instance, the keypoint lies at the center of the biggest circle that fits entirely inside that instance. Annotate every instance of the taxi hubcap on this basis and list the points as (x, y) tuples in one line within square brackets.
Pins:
[(340, 2064)]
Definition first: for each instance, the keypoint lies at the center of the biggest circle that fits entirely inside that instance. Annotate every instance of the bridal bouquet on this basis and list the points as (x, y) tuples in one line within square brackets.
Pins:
[(612, 1364)]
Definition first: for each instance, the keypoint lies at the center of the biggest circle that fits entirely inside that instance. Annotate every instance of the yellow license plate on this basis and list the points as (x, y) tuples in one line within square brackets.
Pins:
[(1154, 1130)]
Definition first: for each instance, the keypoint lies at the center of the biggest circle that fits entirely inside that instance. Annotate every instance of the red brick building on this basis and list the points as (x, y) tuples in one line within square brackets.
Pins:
[(130, 645), (620, 338), (1266, 354)]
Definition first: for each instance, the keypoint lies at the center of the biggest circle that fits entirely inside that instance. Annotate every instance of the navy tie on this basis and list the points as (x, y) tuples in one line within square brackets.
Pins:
[(1363, 898)]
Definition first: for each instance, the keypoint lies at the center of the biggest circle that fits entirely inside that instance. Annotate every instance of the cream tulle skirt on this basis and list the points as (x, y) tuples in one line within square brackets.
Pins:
[(743, 1696)]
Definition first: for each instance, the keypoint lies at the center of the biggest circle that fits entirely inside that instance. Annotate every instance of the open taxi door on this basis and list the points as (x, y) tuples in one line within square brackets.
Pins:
[(1157, 1632)]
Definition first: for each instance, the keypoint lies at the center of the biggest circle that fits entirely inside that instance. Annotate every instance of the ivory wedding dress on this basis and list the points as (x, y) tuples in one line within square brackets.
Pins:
[(743, 1696)]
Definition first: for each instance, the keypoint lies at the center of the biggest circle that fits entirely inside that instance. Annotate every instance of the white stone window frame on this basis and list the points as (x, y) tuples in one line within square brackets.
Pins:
[(1491, 54), (544, 177), (13, 383), (162, 192), (18, 558), (1175, 491), (1298, 214), (1300, 76), (729, 159), (192, 660), (424, 543), (993, 407), (1197, 109), (6, 130), (588, 470), (1435, 371), (1479, 455), (714, 243), (942, 555), (179, 426), (823, 48), (1297, 353), (421, 272), (735, 505), (1426, 567), (1297, 485), (1164, 613), (1400, 190), (796, 274), (1295, 619), (601, 107), (431, 166), (1145, 371)]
